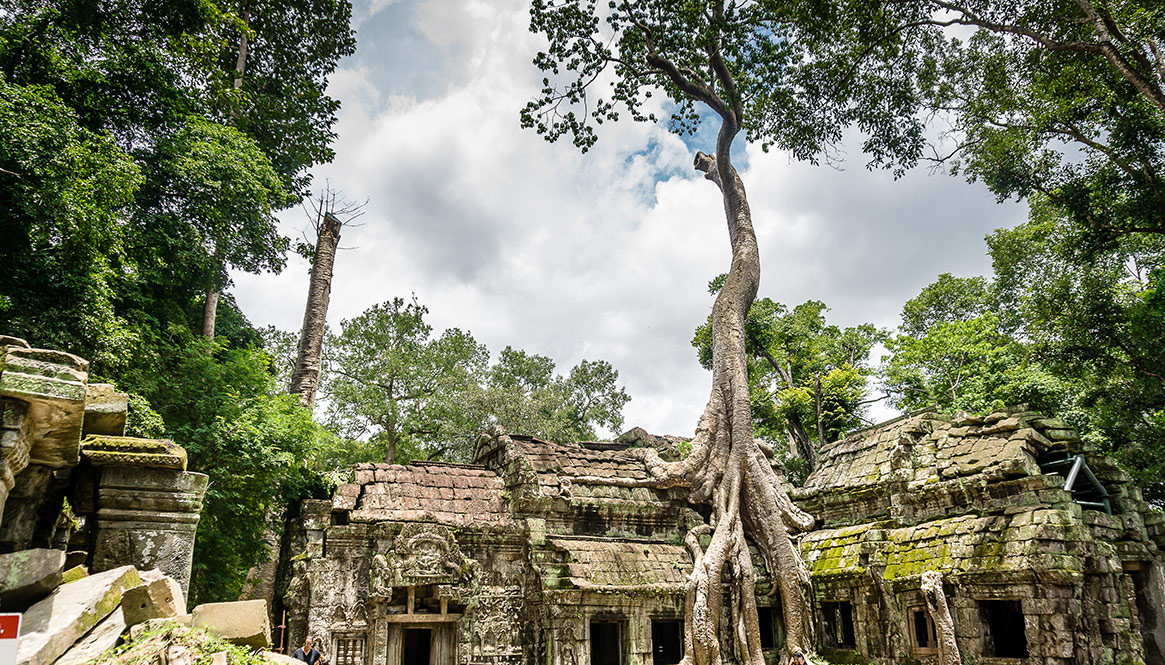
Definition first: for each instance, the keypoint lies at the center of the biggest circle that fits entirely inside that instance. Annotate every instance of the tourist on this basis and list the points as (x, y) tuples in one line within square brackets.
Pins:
[(308, 653), (797, 659)]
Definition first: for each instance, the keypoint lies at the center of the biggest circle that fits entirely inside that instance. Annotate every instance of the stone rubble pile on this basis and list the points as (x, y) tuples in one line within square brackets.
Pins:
[(75, 622)]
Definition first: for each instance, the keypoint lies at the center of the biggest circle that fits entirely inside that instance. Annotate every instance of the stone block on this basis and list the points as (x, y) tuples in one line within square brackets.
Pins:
[(52, 625), (147, 517), (103, 450), (105, 410), (156, 598), (99, 640), (243, 622), (73, 574), (279, 659), (52, 384), (29, 575)]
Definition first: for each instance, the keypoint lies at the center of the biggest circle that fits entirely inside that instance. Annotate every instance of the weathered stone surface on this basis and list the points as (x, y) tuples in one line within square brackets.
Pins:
[(73, 574), (159, 597), (29, 575), (243, 622), (99, 640), (279, 659), (52, 383), (130, 451), (52, 625), (105, 409), (147, 516)]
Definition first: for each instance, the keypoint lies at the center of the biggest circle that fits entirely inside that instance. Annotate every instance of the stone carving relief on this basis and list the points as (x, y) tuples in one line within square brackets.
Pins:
[(298, 589), (420, 554), (349, 614), (490, 631)]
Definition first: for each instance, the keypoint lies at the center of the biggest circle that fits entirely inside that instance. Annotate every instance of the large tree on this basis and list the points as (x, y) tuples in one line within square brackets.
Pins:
[(740, 65), (405, 393)]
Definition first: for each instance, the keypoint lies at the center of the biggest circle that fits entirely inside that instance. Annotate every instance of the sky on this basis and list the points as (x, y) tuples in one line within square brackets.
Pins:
[(598, 256)]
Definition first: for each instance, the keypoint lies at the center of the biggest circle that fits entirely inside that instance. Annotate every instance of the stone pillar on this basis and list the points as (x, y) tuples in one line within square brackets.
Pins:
[(148, 505)]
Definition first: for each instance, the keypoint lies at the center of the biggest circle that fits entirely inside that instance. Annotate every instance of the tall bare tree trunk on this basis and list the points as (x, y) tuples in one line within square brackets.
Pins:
[(305, 378), (210, 305)]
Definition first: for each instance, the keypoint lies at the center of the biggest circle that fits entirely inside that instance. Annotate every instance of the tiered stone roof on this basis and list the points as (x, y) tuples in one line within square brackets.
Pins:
[(452, 494)]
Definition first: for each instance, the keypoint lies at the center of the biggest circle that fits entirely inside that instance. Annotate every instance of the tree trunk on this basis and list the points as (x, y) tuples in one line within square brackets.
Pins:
[(210, 307), (802, 444), (940, 613), (817, 401), (730, 471), (305, 378)]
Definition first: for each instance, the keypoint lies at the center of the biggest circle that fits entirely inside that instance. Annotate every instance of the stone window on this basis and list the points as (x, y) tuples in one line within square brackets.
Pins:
[(667, 641), (837, 625), (922, 634), (349, 650), (607, 642), (772, 627), (417, 646), (1003, 629)]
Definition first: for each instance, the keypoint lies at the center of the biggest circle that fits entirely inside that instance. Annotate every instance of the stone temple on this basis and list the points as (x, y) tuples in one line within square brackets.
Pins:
[(1048, 554)]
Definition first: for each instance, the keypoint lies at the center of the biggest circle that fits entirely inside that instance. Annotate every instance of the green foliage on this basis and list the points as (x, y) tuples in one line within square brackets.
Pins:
[(64, 190), (755, 62), (1069, 328), (791, 352), (257, 445), (142, 420), (390, 383), (144, 649)]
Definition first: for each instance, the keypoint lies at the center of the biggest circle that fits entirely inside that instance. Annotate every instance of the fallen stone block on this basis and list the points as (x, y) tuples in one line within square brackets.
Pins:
[(99, 640), (159, 597), (243, 622), (29, 575), (52, 625), (219, 658)]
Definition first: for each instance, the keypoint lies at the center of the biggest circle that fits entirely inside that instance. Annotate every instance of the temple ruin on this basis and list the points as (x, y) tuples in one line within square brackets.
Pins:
[(71, 480), (1025, 545)]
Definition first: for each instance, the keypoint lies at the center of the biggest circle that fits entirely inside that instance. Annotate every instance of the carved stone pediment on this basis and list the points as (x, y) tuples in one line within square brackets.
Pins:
[(420, 554)]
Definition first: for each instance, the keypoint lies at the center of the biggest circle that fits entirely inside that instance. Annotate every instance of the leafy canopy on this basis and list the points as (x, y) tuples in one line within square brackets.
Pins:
[(390, 382)]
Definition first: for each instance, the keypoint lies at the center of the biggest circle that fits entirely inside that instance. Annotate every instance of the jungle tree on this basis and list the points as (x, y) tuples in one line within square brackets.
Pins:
[(741, 65)]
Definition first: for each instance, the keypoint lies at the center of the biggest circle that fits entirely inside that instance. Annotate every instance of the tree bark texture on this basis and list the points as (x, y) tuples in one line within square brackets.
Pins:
[(940, 613), (305, 378), (731, 471), (210, 307)]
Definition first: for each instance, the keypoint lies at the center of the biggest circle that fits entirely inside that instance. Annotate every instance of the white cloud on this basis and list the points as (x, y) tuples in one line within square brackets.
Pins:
[(578, 256)]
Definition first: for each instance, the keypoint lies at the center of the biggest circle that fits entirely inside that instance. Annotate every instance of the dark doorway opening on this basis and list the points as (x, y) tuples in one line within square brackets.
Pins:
[(418, 644), (606, 643), (1004, 635), (772, 627), (837, 625), (925, 639), (667, 642)]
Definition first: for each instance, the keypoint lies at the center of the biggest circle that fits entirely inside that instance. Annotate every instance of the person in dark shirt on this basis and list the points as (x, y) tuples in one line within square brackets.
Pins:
[(308, 653)]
